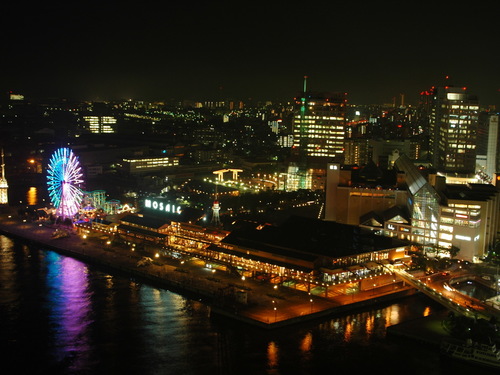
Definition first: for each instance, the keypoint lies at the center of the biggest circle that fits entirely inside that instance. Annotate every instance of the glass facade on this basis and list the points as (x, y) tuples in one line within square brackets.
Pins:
[(425, 215)]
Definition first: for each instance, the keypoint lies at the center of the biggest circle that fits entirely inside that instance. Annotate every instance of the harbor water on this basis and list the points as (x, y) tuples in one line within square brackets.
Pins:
[(59, 315)]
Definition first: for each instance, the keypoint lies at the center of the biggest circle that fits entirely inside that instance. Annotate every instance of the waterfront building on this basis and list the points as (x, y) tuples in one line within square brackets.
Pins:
[(302, 253), (469, 218), (4, 186), (306, 253), (453, 123), (418, 205), (143, 230)]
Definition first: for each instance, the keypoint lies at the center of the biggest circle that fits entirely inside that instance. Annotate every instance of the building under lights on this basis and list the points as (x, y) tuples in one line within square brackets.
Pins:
[(150, 164), (453, 124), (418, 208), (318, 130), (319, 124), (487, 146), (302, 253), (100, 124)]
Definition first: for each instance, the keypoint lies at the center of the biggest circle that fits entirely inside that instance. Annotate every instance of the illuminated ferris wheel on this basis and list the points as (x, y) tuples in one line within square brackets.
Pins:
[(63, 179)]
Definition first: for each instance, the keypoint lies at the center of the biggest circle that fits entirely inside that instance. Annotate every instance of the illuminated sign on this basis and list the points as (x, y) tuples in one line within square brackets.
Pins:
[(16, 97), (162, 206)]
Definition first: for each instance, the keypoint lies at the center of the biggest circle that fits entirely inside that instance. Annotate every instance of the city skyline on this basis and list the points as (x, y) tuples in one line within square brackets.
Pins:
[(375, 53)]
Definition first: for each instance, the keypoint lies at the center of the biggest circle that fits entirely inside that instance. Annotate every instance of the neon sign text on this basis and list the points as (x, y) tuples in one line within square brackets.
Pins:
[(162, 206)]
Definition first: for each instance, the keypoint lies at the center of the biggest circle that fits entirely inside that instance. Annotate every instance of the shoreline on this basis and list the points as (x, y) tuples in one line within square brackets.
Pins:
[(264, 306)]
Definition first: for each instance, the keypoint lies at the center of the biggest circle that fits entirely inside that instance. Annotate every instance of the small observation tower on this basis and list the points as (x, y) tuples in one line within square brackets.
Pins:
[(4, 187), (215, 215)]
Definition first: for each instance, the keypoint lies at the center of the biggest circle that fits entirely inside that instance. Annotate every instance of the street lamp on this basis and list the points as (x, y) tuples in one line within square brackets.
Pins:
[(311, 300)]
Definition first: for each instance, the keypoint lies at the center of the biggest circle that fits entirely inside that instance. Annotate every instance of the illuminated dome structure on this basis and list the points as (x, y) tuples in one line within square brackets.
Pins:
[(63, 179)]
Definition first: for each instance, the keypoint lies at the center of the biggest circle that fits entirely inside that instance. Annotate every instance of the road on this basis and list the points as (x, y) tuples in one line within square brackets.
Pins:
[(438, 287)]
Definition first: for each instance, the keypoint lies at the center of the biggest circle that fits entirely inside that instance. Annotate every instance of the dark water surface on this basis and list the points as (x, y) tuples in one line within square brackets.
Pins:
[(61, 316)]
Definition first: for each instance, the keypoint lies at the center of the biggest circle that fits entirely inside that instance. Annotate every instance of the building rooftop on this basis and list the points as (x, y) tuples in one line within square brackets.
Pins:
[(145, 221), (414, 179), (300, 236), (370, 175), (378, 218), (472, 192)]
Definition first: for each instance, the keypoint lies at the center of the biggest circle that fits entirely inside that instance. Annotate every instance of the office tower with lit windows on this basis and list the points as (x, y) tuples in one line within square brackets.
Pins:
[(357, 151), (318, 129), (100, 124), (487, 146), (319, 125), (453, 121)]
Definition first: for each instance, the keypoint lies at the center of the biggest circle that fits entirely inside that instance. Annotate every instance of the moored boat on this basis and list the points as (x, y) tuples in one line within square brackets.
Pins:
[(472, 352)]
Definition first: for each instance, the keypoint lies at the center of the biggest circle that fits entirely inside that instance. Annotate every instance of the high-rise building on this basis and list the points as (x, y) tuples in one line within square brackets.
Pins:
[(319, 125), (100, 124), (318, 128), (357, 151), (4, 187), (453, 121), (487, 144)]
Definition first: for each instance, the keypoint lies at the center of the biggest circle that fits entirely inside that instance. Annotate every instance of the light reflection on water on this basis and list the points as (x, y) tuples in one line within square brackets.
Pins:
[(32, 196), (74, 318), (272, 355), (69, 305)]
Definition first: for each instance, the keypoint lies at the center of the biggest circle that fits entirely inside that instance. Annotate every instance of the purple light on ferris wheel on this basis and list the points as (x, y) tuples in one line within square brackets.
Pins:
[(63, 179)]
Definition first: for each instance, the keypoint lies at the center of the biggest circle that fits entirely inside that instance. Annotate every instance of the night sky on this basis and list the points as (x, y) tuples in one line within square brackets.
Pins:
[(241, 50)]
